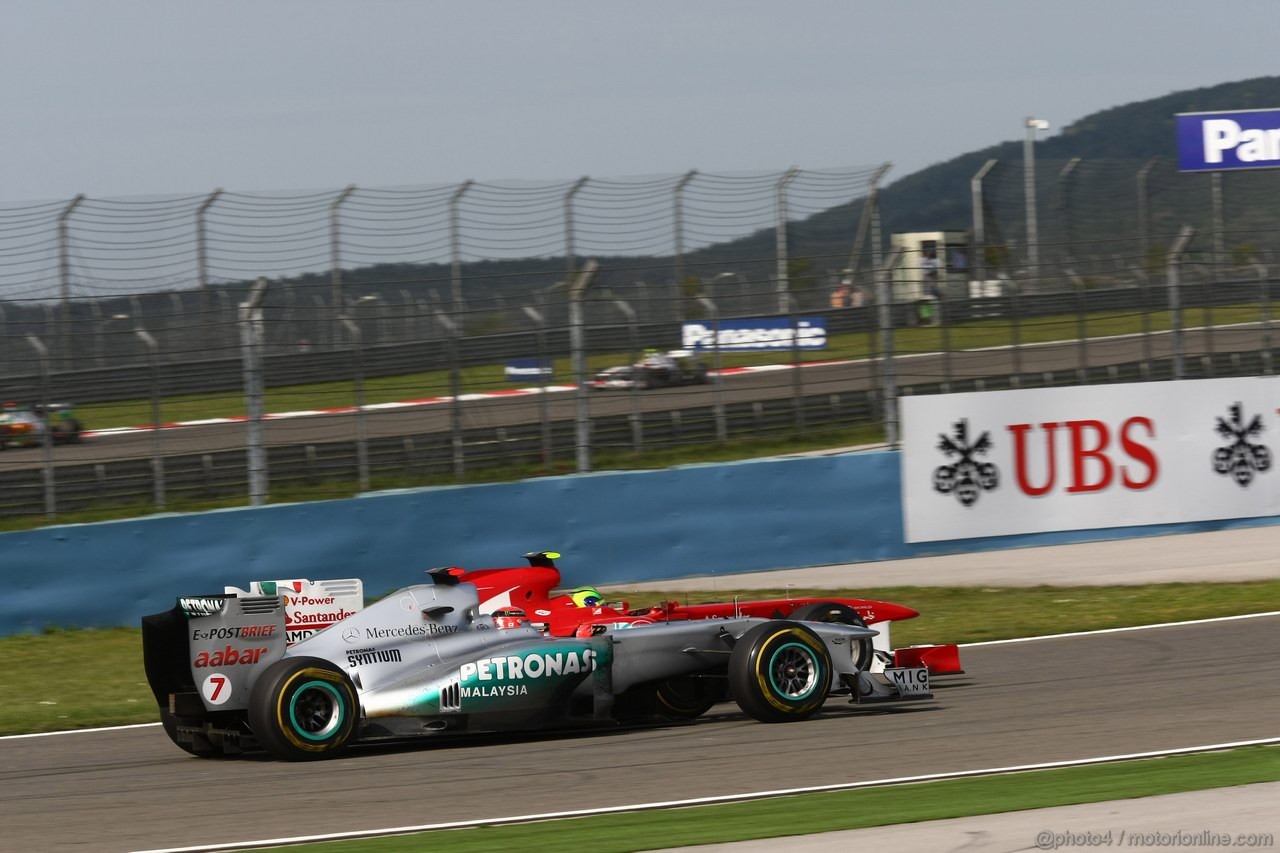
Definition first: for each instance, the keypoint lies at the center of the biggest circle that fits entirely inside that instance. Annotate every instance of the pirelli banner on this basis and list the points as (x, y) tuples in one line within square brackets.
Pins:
[(1003, 462)]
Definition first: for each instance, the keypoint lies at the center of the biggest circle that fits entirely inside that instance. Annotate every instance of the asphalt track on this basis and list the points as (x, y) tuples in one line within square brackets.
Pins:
[(1045, 700), (768, 385)]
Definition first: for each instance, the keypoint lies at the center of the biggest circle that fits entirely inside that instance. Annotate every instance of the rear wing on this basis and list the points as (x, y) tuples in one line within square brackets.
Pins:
[(208, 650), (309, 606)]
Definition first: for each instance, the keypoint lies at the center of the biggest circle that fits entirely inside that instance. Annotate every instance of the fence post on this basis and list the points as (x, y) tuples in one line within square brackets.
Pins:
[(889, 389), (1144, 287), (208, 328), (335, 261), (797, 377), (157, 441), (1065, 203), (577, 347), (455, 392), (64, 278), (455, 245), (540, 335), (46, 443), (251, 347), (1264, 287), (569, 250), (780, 190), (1175, 297), (362, 433), (717, 389), (678, 223), (1082, 326), (633, 336), (1144, 210), (1219, 261), (864, 221)]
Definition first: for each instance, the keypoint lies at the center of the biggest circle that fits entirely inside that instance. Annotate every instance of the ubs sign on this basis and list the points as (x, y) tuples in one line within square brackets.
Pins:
[(1228, 141)]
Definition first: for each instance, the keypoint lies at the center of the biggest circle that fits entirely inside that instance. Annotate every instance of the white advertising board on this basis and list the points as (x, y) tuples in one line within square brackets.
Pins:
[(997, 463)]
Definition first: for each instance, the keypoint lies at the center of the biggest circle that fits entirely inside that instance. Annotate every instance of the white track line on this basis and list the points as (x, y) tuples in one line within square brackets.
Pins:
[(80, 731), (703, 801), (962, 645), (1122, 630)]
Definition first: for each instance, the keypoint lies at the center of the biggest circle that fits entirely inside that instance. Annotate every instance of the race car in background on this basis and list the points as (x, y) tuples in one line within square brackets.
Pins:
[(654, 370), (530, 591), (425, 661), (23, 425)]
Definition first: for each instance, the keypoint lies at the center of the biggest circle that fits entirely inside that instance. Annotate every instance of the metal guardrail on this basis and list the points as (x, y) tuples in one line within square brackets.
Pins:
[(416, 459)]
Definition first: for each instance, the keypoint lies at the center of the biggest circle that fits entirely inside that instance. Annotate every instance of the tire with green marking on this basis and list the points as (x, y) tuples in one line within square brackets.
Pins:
[(303, 708), (780, 672)]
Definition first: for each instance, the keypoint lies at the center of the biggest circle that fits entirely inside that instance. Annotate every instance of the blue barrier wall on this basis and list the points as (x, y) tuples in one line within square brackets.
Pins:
[(612, 527)]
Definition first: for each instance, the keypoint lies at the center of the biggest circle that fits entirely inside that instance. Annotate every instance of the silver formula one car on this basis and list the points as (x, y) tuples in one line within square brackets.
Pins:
[(424, 661)]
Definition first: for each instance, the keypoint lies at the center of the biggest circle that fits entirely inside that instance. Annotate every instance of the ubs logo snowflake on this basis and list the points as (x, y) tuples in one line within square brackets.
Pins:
[(1242, 459), (966, 477)]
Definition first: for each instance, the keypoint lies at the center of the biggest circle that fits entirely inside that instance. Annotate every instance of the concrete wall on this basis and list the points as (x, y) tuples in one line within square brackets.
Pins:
[(612, 527)]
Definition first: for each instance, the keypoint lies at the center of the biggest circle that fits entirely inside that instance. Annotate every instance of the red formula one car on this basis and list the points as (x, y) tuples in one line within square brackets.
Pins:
[(528, 593)]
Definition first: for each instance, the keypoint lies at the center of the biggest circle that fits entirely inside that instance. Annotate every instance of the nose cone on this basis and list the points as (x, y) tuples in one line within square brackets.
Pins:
[(885, 612)]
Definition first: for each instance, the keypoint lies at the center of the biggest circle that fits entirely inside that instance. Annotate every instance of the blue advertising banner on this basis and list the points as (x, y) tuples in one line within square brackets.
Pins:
[(526, 369), (1227, 141), (756, 334)]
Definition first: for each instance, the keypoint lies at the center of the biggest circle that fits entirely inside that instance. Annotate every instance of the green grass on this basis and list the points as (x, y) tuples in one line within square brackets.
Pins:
[(111, 660), (434, 383), (828, 812)]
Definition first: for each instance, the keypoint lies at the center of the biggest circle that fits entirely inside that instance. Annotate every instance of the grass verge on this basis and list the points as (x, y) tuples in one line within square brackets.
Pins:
[(111, 659), (829, 812)]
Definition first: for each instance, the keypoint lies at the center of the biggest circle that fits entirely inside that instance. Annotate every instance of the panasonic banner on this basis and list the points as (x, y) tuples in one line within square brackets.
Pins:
[(756, 334), (1228, 141)]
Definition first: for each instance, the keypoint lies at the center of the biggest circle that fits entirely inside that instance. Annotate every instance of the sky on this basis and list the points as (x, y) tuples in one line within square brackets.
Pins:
[(116, 98)]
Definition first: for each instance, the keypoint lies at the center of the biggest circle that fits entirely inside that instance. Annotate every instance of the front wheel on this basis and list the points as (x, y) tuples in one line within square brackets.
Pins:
[(862, 650), (780, 672), (303, 708)]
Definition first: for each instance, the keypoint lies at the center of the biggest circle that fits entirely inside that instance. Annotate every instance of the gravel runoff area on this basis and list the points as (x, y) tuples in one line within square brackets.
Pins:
[(1244, 554), (1146, 822)]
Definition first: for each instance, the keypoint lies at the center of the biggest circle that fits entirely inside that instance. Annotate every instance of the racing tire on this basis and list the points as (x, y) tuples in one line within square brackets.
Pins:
[(862, 651), (303, 708), (170, 725), (780, 672), (686, 697)]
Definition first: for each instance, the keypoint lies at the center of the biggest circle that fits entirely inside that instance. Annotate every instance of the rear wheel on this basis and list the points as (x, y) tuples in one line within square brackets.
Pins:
[(303, 708), (780, 672), (862, 650), (687, 697)]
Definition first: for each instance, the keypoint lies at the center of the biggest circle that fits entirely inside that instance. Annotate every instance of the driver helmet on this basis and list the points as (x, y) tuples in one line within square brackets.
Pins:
[(587, 596), (510, 617)]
